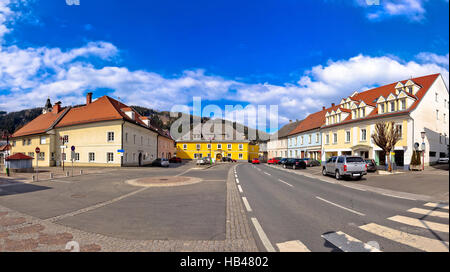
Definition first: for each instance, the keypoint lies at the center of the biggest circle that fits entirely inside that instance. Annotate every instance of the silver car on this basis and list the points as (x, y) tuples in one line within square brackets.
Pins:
[(345, 166)]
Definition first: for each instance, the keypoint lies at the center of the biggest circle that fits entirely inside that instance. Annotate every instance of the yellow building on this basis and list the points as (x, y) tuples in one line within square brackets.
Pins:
[(239, 150), (104, 132)]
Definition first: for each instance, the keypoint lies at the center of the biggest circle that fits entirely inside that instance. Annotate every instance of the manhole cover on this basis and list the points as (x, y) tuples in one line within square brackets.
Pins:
[(163, 181)]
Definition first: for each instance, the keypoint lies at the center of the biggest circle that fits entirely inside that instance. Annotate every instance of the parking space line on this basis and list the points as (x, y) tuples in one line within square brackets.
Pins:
[(285, 182), (262, 235), (339, 206), (246, 204)]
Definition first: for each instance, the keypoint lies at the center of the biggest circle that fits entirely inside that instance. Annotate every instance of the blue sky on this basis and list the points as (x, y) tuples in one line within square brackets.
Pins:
[(298, 55)]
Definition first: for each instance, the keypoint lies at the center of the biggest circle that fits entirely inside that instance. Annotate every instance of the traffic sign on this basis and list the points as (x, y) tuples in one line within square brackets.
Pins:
[(72, 148), (37, 150), (63, 147), (121, 151)]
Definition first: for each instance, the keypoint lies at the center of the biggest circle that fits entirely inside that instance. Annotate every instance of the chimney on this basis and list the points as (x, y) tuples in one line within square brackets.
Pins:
[(323, 107), (332, 104), (57, 107), (88, 98)]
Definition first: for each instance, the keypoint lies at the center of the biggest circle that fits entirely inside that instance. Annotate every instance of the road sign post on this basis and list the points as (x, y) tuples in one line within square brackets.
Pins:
[(37, 150), (72, 156)]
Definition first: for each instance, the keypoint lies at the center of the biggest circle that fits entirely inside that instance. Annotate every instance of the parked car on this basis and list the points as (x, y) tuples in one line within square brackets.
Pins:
[(203, 161), (371, 165), (255, 161), (443, 160), (161, 162), (228, 159), (175, 160), (295, 164), (345, 166), (311, 162), (282, 161), (274, 160)]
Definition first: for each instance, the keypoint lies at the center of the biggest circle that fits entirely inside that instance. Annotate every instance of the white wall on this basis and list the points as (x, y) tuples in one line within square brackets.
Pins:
[(148, 147)]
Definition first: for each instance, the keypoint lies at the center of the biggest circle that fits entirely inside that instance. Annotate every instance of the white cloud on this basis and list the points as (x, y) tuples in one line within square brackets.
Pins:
[(29, 75), (412, 10)]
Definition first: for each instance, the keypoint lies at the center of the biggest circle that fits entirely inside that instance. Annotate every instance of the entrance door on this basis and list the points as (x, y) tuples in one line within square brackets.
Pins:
[(140, 159), (400, 157)]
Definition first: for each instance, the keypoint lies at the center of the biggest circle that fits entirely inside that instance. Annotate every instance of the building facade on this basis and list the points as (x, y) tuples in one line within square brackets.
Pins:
[(104, 132), (239, 150), (416, 105), (278, 144)]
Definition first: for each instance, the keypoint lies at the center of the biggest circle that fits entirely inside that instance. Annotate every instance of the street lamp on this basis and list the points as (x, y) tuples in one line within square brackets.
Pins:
[(422, 134)]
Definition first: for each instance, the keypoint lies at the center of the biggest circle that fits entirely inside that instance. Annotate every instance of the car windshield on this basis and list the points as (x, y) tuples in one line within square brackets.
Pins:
[(355, 159)]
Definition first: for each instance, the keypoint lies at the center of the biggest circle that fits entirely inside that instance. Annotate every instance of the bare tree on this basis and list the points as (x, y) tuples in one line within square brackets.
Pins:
[(386, 136)]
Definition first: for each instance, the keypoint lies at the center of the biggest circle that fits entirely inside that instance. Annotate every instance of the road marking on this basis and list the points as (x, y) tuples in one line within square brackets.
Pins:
[(285, 182), (267, 174), (247, 205), (237, 180), (337, 205), (420, 223), (347, 243), (437, 205), (351, 187), (262, 235), (240, 188), (402, 197), (416, 241), (429, 212), (292, 246)]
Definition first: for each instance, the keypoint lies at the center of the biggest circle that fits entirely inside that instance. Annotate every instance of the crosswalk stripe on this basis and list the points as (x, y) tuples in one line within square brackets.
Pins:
[(437, 205), (416, 241), (347, 243), (429, 212), (420, 223), (292, 246)]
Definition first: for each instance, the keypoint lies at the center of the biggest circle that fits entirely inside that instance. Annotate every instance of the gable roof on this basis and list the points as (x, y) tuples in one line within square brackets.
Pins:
[(5, 147), (312, 121), (40, 124), (18, 156), (286, 129)]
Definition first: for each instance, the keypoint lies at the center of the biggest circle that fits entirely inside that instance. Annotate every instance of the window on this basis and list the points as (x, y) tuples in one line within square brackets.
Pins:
[(432, 153), (184, 146), (363, 134), (347, 136), (110, 136), (403, 104), (134, 157), (197, 146), (109, 157), (301, 140), (340, 160), (436, 97), (437, 114), (392, 106), (65, 139), (440, 138), (31, 154), (229, 155), (241, 155), (24, 142), (442, 155), (317, 137), (134, 139), (53, 156), (410, 89), (209, 146), (126, 157), (444, 118), (43, 140), (382, 108), (335, 137), (241, 146), (310, 139), (400, 128), (229, 146), (363, 112), (327, 139), (77, 157), (126, 137), (219, 146), (14, 143), (41, 156), (91, 156)]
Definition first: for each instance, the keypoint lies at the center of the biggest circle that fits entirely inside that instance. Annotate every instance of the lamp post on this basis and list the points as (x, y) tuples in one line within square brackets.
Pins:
[(422, 134)]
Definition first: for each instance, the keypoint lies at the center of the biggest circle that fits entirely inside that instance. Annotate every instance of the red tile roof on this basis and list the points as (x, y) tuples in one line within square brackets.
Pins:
[(5, 147), (18, 156), (312, 121), (40, 124)]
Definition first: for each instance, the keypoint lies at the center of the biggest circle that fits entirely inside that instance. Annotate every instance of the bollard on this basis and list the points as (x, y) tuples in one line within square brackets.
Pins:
[(67, 173), (33, 178), (81, 172), (51, 176)]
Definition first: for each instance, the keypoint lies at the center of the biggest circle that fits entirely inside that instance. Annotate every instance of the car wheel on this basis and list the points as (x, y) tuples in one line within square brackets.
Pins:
[(324, 171), (337, 175)]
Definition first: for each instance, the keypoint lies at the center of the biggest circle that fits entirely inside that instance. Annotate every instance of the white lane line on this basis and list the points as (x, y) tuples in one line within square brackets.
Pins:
[(339, 206), (351, 187), (240, 189), (420, 223), (237, 180), (246, 204), (402, 197), (262, 235), (292, 246), (437, 205), (285, 182), (347, 243), (416, 241), (429, 212), (267, 174)]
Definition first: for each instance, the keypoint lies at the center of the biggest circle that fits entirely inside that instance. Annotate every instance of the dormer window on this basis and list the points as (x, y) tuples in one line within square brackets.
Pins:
[(410, 89), (392, 106), (403, 104), (363, 112), (382, 108)]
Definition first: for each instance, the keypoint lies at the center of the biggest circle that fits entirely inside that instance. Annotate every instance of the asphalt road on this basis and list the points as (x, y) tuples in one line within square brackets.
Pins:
[(295, 213)]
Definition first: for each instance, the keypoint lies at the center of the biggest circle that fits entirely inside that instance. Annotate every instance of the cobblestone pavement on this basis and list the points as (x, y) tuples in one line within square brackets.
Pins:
[(20, 232)]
